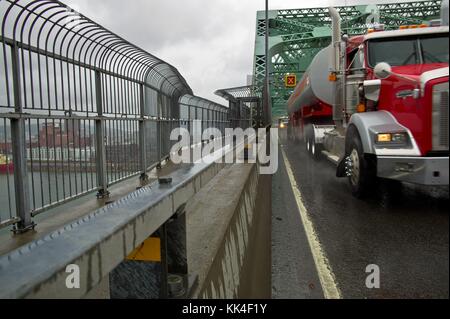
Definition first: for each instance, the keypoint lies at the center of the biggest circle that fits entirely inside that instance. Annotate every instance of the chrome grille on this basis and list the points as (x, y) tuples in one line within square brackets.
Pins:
[(440, 117)]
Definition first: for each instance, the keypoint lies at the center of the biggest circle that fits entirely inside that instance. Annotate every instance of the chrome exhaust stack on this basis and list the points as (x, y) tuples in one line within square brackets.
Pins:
[(335, 58), (337, 68)]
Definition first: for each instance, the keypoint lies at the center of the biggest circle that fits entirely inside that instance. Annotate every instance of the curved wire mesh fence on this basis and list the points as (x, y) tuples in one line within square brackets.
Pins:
[(245, 105), (208, 113), (80, 108)]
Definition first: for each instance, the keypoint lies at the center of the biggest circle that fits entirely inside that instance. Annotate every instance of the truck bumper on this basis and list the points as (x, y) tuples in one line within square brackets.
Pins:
[(418, 170)]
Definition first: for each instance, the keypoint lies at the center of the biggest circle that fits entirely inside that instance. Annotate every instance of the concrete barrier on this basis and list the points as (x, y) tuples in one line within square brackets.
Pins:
[(228, 235)]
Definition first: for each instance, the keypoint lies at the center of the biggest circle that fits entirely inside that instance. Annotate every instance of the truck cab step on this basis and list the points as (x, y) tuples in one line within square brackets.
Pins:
[(331, 157)]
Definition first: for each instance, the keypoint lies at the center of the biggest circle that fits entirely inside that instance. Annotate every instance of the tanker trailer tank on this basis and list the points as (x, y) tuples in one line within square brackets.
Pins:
[(315, 85)]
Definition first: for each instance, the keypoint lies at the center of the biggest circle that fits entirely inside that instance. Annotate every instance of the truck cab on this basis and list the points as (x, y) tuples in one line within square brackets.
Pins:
[(402, 115)]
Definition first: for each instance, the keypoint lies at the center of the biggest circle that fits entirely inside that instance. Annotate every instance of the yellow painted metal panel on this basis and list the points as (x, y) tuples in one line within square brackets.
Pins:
[(149, 250)]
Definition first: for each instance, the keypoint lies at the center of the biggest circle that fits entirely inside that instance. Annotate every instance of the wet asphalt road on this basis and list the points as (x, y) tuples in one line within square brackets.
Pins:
[(403, 231)]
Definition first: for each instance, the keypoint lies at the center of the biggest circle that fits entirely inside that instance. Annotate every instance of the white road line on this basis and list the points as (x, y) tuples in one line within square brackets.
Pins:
[(326, 276)]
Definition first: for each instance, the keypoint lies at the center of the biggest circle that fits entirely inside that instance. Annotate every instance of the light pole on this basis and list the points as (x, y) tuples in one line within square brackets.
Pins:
[(267, 108)]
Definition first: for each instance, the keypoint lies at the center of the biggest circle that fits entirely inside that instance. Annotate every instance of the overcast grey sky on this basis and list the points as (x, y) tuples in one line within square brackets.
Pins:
[(210, 42)]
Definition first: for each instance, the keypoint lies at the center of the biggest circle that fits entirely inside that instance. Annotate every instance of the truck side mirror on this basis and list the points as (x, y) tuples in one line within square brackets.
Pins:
[(382, 70)]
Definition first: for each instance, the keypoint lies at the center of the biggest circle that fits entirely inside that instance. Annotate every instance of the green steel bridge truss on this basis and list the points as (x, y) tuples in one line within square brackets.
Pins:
[(297, 35)]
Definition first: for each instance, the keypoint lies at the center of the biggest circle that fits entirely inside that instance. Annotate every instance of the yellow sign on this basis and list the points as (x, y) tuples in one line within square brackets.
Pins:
[(291, 81), (150, 250)]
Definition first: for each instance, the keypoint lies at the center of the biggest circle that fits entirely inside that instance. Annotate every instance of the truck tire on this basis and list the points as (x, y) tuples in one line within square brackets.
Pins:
[(316, 149), (313, 149), (363, 170), (307, 138)]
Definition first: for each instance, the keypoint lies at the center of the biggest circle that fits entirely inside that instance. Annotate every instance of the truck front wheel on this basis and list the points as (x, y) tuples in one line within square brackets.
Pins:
[(360, 169)]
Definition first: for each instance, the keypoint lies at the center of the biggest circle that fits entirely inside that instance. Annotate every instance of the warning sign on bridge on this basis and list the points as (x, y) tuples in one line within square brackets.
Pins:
[(291, 80)]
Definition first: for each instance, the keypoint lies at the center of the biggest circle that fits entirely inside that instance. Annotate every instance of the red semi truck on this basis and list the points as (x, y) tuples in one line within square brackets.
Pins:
[(377, 105)]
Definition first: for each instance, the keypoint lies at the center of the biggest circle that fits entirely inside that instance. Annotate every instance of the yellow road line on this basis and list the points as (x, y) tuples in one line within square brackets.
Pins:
[(326, 276)]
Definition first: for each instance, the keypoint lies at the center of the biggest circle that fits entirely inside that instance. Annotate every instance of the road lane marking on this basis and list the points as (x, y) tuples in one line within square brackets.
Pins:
[(326, 276)]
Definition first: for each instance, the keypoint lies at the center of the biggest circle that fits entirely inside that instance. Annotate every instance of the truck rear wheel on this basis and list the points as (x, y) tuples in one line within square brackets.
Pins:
[(360, 169), (314, 149), (307, 137)]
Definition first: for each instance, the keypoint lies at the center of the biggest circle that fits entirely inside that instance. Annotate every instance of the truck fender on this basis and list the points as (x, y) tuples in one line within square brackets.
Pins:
[(367, 124)]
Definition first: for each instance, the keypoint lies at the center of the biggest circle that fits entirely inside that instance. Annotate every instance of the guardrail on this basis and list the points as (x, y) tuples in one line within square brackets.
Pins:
[(81, 109)]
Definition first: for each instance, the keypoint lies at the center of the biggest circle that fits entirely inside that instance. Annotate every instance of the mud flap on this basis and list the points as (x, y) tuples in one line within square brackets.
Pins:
[(340, 171)]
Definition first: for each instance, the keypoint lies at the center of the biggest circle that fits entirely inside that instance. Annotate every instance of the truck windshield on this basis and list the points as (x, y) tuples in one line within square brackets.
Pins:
[(410, 50)]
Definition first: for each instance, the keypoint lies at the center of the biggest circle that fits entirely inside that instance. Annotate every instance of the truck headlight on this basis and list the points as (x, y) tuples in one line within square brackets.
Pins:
[(392, 138), (384, 138)]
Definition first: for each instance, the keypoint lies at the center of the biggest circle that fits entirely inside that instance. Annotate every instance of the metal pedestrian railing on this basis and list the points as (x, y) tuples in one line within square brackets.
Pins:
[(81, 109), (245, 104)]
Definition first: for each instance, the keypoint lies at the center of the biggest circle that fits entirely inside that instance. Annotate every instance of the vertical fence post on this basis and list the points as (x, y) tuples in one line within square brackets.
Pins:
[(189, 124), (21, 184), (196, 113), (158, 127), (239, 113), (142, 135), (222, 125), (100, 147), (230, 115), (235, 118), (210, 117), (175, 122), (196, 117)]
